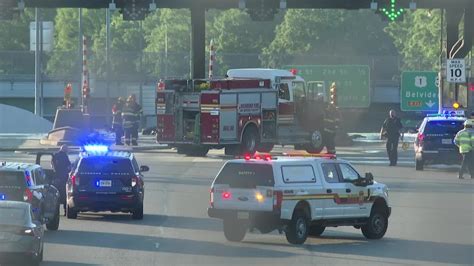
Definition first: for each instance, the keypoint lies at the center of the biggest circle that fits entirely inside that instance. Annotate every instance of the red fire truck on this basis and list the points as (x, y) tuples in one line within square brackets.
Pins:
[(250, 110)]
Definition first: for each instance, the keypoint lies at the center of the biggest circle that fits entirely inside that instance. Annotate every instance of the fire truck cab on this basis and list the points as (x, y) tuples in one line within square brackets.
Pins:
[(250, 110)]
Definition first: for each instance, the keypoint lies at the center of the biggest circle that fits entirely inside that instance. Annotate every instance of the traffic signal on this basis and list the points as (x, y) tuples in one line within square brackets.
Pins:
[(333, 94), (390, 10)]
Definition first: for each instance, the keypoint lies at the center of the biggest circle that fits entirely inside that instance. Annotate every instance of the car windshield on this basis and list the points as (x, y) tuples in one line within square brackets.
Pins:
[(240, 175), (13, 178), (13, 216), (443, 127), (105, 165)]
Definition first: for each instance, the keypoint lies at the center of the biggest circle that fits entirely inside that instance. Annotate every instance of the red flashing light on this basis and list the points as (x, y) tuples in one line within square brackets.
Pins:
[(268, 157), (471, 87), (294, 71), (247, 157), (28, 195), (226, 195), (74, 180), (257, 157), (160, 86), (277, 200)]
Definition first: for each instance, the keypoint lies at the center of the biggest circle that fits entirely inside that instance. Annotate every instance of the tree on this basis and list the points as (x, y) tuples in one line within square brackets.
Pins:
[(330, 33), (417, 39), (64, 60), (235, 34)]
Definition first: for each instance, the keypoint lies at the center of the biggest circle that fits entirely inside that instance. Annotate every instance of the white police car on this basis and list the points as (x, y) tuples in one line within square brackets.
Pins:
[(298, 196), (434, 142)]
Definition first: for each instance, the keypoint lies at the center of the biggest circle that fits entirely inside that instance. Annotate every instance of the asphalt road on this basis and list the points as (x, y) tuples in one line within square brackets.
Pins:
[(432, 221)]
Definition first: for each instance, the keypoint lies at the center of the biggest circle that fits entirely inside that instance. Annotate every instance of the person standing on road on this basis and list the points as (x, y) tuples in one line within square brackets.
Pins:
[(117, 120), (465, 141), (391, 130), (61, 166), (131, 120), (331, 124)]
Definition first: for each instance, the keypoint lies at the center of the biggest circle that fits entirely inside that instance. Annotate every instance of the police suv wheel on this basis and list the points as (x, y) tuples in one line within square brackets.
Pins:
[(376, 225), (419, 164), (298, 228), (53, 225), (71, 213), (137, 214), (234, 230), (316, 230)]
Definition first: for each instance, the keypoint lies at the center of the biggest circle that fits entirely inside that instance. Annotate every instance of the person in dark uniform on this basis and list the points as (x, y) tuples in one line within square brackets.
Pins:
[(61, 166), (117, 120), (391, 131), (331, 125), (131, 120)]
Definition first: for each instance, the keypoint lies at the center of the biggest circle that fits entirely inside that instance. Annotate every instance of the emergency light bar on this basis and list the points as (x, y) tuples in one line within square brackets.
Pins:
[(96, 148), (448, 113), (319, 155)]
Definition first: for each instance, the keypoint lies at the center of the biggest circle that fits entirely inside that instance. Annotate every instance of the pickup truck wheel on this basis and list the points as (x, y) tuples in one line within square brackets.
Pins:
[(250, 140), (316, 230), (376, 225), (71, 213), (234, 230), (316, 145), (298, 228), (419, 164), (53, 225)]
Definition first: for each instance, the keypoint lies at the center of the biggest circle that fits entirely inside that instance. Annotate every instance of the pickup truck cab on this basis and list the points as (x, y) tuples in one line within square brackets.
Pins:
[(298, 196)]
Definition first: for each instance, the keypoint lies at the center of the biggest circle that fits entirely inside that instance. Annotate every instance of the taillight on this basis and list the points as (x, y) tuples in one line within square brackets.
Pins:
[(75, 180), (420, 138), (27, 195), (226, 195), (211, 199), (277, 200), (135, 180)]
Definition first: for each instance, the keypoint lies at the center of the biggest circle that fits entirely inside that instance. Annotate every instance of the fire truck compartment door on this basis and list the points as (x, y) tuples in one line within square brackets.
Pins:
[(228, 117)]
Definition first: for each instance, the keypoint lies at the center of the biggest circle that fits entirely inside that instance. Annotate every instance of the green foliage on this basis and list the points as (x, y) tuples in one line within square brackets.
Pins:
[(327, 32), (417, 39)]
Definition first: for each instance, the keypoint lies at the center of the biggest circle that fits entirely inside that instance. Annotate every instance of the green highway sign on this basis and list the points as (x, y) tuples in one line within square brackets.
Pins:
[(352, 82), (419, 91)]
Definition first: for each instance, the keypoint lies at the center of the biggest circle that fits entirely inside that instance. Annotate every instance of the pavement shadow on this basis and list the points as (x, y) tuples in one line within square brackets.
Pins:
[(426, 251), (160, 244), (64, 263), (179, 222)]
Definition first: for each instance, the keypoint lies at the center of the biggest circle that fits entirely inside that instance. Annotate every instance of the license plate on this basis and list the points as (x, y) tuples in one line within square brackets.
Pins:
[(105, 183), (447, 141), (243, 215), (3, 197)]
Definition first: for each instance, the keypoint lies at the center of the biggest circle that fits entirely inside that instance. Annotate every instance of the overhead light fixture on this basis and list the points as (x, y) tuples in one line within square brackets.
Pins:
[(21, 5), (283, 4), (412, 5), (242, 4), (112, 6), (152, 6), (374, 5)]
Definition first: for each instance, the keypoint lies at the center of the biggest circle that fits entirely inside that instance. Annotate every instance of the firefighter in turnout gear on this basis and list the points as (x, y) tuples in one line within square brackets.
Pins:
[(465, 141), (131, 120), (331, 125), (117, 120)]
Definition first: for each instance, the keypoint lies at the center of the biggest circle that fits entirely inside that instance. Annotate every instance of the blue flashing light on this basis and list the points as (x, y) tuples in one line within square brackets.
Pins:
[(96, 148), (3, 197), (97, 183)]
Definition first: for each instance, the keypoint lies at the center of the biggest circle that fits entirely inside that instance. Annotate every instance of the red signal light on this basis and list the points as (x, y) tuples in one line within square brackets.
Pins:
[(226, 195)]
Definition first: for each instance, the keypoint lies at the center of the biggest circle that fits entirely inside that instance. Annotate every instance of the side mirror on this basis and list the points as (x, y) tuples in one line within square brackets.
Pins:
[(144, 168), (369, 176)]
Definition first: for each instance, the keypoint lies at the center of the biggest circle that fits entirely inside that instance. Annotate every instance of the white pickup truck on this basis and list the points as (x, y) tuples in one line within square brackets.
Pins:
[(298, 196)]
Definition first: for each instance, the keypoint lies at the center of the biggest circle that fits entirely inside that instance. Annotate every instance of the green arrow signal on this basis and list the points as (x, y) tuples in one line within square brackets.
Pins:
[(392, 13)]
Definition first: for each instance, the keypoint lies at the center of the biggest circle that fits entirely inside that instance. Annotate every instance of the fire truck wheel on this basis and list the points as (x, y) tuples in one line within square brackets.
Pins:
[(232, 150), (316, 145), (265, 147), (181, 150), (250, 140), (199, 151)]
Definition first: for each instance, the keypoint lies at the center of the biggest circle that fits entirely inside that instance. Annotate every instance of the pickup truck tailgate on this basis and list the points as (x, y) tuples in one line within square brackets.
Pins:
[(257, 199)]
